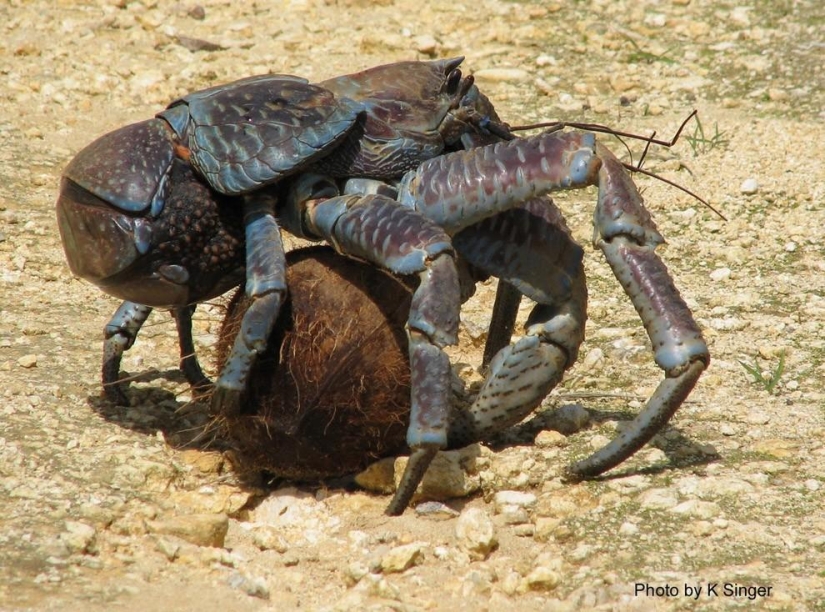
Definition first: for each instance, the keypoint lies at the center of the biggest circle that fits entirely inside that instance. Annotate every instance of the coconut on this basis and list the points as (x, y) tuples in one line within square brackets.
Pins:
[(331, 394)]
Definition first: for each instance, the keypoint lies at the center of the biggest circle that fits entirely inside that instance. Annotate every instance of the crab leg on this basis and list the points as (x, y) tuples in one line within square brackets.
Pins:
[(627, 237), (464, 188), (119, 336), (375, 228), (530, 250), (188, 358), (266, 285)]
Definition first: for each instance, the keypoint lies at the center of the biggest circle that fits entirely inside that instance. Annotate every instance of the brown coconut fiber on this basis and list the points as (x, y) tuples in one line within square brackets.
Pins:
[(331, 394)]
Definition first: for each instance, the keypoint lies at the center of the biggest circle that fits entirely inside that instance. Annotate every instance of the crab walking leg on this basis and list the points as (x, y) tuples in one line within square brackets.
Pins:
[(627, 237), (375, 228), (529, 248), (464, 188), (189, 364), (119, 336), (266, 285)]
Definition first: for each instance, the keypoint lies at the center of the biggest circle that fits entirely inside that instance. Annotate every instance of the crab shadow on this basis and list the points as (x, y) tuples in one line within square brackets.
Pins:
[(681, 451), (152, 409)]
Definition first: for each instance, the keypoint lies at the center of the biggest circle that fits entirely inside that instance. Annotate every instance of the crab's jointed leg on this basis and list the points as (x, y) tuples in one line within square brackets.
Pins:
[(118, 337), (627, 237), (529, 248), (375, 228), (266, 285), (462, 189), (189, 364)]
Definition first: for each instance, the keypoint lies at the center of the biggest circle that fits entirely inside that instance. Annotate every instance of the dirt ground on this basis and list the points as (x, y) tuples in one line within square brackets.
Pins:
[(105, 508)]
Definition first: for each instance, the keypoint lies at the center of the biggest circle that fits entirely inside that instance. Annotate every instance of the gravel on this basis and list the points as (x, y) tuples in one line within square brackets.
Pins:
[(128, 508)]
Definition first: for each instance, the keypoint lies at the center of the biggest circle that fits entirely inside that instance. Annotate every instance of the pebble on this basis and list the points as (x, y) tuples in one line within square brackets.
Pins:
[(545, 575), (475, 533), (436, 510), (452, 474), (251, 585), (79, 538), (697, 508), (267, 537), (568, 419), (402, 557), (658, 499), (727, 430), (503, 499), (426, 44), (199, 529), (749, 186), (27, 361), (720, 274), (628, 528), (550, 439)]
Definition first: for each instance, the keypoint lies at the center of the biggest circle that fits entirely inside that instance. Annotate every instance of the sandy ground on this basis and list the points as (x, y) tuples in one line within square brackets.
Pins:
[(104, 508)]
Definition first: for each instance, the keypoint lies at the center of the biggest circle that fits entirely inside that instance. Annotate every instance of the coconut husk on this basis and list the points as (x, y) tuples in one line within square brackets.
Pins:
[(331, 394)]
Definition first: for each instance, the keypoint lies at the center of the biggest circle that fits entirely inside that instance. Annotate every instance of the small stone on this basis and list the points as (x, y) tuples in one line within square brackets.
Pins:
[(628, 528), (568, 419), (27, 361), (720, 274), (593, 360), (545, 528), (697, 508), (355, 571), (514, 498), (378, 477), (545, 575), (436, 510), (251, 585), (726, 430), (426, 44), (475, 534), (199, 529), (401, 558), (267, 537), (660, 499), (812, 485), (749, 186), (79, 538), (168, 547), (550, 439)]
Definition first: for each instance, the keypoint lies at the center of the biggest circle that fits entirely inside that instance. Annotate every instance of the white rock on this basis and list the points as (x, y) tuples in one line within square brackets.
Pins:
[(658, 499), (720, 274), (697, 508), (514, 498), (749, 186), (628, 528), (475, 533), (401, 558)]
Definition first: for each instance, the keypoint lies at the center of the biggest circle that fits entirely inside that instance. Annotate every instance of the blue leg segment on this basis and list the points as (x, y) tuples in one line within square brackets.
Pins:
[(530, 249), (119, 336), (466, 190), (377, 229), (189, 364), (266, 285)]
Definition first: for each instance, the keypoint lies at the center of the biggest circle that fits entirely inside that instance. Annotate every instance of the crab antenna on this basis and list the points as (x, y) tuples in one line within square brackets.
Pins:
[(598, 127), (633, 168), (650, 140)]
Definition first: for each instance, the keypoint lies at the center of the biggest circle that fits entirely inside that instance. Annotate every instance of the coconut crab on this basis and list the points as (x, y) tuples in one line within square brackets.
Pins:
[(405, 166)]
